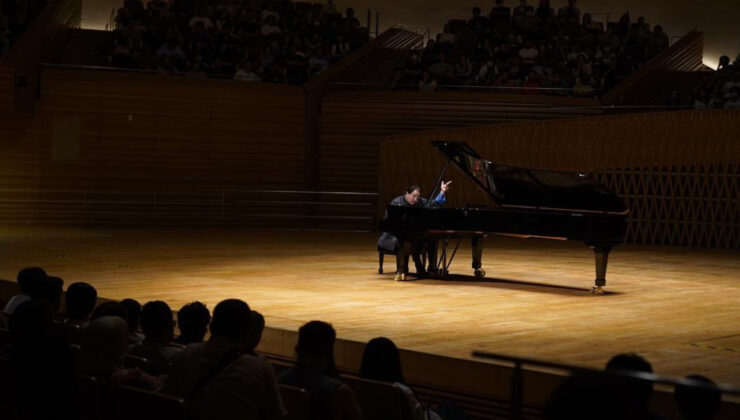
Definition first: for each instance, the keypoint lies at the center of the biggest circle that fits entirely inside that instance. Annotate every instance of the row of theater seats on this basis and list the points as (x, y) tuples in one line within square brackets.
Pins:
[(97, 400)]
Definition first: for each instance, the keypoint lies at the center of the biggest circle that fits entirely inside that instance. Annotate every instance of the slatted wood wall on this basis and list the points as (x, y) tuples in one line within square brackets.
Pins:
[(109, 132), (650, 84), (353, 123), (679, 172)]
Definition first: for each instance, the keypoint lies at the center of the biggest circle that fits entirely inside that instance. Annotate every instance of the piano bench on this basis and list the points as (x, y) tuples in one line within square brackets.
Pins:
[(381, 254)]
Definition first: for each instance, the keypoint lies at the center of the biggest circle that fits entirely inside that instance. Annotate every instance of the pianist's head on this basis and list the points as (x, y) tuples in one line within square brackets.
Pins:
[(413, 193)]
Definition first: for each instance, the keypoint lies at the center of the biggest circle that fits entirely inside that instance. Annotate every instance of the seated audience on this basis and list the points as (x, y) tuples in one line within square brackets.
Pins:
[(219, 377), (381, 362), (315, 371), (103, 346), (41, 370), (192, 319), (110, 309), (266, 37), (635, 392), (566, 54), (27, 279), (719, 89), (698, 402), (587, 396), (80, 302), (159, 329), (256, 327), (133, 312), (49, 288)]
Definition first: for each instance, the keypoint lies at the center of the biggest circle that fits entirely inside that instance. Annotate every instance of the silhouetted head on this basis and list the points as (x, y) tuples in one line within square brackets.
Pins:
[(49, 288), (28, 278), (81, 298), (110, 309), (315, 348), (193, 319), (381, 361), (256, 327), (133, 310), (637, 391), (231, 319), (103, 344), (156, 321)]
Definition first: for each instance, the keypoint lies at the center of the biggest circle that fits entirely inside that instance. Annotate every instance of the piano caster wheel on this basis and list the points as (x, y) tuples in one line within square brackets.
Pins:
[(479, 274), (597, 290), (400, 277)]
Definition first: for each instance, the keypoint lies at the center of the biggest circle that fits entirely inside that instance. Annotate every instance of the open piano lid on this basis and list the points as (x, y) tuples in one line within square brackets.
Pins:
[(514, 187)]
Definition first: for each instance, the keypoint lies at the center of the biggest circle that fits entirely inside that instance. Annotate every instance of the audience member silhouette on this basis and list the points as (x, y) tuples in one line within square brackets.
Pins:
[(159, 328), (219, 377), (49, 288), (587, 396), (315, 371), (192, 319), (103, 347), (80, 302), (41, 370), (636, 392), (256, 327), (27, 279), (133, 309), (699, 402), (110, 309), (382, 362)]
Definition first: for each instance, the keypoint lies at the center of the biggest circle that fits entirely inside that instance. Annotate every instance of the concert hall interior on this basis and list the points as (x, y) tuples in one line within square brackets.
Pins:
[(343, 209)]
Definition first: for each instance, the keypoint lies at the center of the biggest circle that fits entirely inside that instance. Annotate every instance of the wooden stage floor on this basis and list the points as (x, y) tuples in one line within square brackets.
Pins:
[(680, 308)]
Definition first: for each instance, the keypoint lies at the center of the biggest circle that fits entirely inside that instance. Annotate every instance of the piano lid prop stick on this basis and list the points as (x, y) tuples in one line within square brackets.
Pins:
[(439, 180)]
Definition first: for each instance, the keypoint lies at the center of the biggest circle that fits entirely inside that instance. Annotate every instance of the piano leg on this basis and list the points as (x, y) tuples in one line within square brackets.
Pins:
[(601, 253), (402, 260), (477, 243)]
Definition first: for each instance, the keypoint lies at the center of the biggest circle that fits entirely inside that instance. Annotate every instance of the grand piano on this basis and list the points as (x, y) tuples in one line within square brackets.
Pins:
[(524, 203)]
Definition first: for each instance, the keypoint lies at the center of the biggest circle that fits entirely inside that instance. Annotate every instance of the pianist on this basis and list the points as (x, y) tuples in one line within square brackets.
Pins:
[(412, 198)]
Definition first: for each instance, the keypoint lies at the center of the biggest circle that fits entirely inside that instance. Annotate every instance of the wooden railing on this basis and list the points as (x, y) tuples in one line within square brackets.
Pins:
[(679, 172)]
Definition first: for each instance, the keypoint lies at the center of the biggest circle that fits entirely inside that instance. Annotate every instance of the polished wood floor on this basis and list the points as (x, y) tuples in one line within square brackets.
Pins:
[(678, 307)]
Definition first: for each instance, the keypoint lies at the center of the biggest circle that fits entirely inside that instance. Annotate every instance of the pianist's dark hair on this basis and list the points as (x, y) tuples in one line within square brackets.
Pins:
[(411, 188)]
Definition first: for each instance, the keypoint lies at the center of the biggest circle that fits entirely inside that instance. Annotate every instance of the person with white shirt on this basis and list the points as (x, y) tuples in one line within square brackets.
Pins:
[(27, 280), (246, 73)]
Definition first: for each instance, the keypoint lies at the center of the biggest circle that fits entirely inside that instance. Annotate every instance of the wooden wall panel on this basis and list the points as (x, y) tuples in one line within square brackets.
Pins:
[(353, 123), (679, 172), (146, 134)]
